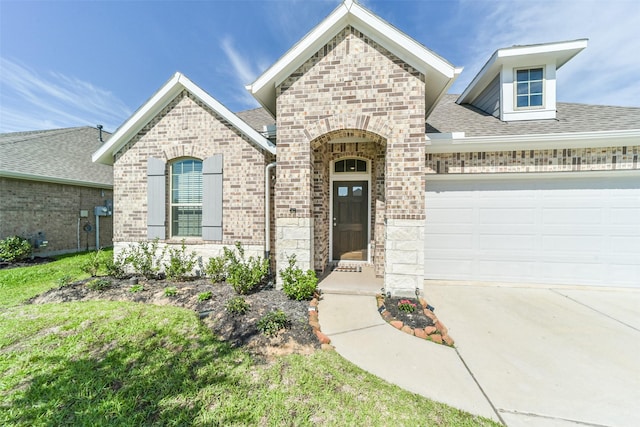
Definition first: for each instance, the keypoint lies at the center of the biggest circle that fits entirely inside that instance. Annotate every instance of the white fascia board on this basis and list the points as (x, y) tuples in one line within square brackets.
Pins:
[(383, 33), (456, 142), (133, 125), (560, 52), (161, 99), (54, 180)]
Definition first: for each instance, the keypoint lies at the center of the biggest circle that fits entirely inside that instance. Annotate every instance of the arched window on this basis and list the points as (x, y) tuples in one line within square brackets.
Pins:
[(350, 165), (186, 198)]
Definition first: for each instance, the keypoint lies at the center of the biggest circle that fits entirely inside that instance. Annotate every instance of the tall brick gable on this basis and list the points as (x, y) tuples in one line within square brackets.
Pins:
[(351, 87)]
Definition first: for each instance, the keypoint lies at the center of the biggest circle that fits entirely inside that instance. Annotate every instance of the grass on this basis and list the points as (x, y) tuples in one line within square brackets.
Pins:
[(105, 363), (20, 284)]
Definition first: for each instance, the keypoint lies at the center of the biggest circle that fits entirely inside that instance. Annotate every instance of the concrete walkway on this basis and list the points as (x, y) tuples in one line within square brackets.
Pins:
[(524, 356)]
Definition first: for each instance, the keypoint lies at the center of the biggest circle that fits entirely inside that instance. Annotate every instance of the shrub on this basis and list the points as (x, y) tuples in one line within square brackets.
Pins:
[(14, 248), (98, 284), (244, 275), (297, 284), (64, 280), (92, 264), (116, 267), (180, 263), (144, 259), (204, 296), (272, 322), (170, 291), (407, 306), (216, 269), (136, 288), (237, 305)]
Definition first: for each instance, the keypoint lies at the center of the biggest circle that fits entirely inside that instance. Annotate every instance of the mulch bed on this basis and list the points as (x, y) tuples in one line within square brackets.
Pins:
[(300, 336), (422, 323), (26, 262)]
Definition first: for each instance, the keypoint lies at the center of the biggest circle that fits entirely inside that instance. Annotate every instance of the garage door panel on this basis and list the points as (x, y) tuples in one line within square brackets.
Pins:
[(565, 231)]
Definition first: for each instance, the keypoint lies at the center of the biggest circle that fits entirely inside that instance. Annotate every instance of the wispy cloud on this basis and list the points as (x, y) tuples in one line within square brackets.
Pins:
[(605, 73), (243, 71), (31, 101)]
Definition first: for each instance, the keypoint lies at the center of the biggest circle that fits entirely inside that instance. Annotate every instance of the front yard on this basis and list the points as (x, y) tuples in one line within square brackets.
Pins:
[(126, 363)]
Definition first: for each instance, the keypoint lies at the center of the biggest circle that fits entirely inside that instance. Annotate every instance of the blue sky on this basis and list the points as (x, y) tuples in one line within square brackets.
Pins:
[(77, 63)]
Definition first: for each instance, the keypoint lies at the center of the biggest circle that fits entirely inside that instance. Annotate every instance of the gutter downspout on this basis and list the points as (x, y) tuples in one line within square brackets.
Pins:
[(267, 223)]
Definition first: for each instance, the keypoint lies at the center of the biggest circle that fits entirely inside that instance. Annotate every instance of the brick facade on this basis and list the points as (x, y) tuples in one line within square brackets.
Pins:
[(352, 84), (29, 207), (531, 161), (188, 128)]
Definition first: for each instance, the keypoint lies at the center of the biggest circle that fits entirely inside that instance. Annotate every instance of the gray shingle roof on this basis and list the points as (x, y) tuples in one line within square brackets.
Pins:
[(257, 118), (451, 117), (55, 155)]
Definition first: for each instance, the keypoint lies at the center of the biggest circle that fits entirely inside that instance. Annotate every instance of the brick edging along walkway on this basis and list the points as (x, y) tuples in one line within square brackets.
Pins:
[(437, 333)]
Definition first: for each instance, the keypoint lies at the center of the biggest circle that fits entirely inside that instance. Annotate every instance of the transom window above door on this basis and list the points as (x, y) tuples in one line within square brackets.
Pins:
[(350, 165)]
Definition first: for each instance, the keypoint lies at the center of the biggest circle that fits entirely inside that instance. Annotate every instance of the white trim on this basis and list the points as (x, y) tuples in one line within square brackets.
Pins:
[(439, 73), (350, 176), (457, 142), (161, 99), (532, 175), (53, 180)]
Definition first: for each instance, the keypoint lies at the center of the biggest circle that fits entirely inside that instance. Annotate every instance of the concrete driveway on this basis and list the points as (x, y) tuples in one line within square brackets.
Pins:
[(548, 356)]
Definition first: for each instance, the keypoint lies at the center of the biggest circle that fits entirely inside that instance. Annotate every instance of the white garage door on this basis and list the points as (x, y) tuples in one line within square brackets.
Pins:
[(564, 231)]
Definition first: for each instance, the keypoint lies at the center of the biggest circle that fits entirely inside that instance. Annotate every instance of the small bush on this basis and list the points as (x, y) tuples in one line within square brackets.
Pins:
[(98, 284), (204, 296), (14, 249), (144, 258), (180, 263), (92, 264), (116, 267), (237, 305), (407, 306), (244, 275), (216, 269), (64, 280), (170, 291), (136, 288), (272, 322), (297, 284)]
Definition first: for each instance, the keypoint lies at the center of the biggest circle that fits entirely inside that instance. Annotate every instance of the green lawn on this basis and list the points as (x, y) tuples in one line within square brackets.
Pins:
[(119, 364)]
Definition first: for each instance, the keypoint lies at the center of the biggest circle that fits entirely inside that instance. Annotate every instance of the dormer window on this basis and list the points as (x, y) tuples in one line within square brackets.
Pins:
[(529, 84)]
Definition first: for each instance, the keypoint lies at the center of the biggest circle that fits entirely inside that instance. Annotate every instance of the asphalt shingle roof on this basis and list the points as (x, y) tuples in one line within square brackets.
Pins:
[(256, 118), (58, 154), (451, 117)]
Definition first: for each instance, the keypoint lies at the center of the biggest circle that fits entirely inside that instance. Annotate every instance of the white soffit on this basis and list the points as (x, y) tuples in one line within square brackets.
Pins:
[(176, 84), (536, 54), (439, 73)]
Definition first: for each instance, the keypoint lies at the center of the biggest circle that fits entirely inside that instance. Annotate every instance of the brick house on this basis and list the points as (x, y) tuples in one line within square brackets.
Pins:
[(50, 188), (377, 164)]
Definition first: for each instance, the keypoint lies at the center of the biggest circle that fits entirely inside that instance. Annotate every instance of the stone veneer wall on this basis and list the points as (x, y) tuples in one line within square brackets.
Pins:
[(551, 160), (29, 207), (351, 83), (188, 128)]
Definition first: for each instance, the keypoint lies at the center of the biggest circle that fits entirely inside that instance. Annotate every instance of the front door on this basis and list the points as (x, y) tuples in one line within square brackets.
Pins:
[(350, 214)]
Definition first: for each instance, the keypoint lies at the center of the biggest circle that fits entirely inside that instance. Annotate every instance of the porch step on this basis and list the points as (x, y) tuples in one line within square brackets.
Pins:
[(346, 267)]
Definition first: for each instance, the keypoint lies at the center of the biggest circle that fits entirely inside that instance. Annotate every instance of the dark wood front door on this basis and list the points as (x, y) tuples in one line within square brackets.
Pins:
[(350, 214)]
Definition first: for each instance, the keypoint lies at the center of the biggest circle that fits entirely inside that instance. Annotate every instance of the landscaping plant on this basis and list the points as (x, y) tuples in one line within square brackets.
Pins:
[(244, 275), (92, 264), (144, 259), (98, 284), (297, 284), (407, 306), (272, 322), (14, 249), (205, 296), (237, 305), (180, 264), (170, 291)]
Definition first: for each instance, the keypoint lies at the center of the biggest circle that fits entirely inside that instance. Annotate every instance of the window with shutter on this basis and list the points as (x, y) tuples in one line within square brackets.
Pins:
[(186, 198)]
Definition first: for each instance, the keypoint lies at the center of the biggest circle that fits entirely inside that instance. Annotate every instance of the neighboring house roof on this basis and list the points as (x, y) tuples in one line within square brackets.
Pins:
[(59, 155), (161, 99), (439, 73)]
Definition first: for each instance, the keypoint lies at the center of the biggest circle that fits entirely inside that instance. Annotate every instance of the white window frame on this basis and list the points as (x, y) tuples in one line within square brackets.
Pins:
[(515, 88), (172, 204)]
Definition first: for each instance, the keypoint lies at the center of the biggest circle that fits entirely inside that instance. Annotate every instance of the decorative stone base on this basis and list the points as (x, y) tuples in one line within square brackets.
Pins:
[(437, 333), (404, 256), (294, 236)]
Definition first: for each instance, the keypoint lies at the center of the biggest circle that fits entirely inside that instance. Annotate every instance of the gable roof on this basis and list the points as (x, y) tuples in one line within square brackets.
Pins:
[(521, 56), (161, 99), (439, 73), (60, 155)]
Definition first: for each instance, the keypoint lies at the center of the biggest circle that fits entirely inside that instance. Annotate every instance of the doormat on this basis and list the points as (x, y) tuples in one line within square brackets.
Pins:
[(348, 268)]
